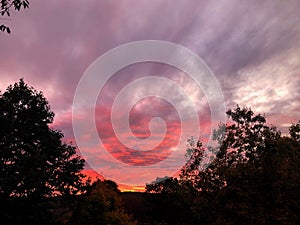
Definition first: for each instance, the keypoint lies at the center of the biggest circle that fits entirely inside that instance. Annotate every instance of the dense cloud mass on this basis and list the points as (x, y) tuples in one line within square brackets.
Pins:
[(252, 47)]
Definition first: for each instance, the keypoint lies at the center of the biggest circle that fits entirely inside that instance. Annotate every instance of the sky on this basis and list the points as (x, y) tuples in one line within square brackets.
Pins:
[(252, 49)]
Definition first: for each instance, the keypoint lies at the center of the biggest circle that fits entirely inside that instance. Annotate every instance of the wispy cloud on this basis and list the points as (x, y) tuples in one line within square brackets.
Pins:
[(251, 46)]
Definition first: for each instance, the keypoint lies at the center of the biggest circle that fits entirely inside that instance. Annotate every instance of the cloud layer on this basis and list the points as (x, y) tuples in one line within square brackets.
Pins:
[(252, 47)]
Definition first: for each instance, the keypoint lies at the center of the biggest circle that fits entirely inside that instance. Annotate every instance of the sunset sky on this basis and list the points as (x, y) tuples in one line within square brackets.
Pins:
[(251, 47)]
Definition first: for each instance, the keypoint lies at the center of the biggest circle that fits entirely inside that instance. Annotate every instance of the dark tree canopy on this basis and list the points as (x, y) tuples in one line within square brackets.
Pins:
[(34, 161), (101, 205), (7, 6), (295, 131), (254, 178)]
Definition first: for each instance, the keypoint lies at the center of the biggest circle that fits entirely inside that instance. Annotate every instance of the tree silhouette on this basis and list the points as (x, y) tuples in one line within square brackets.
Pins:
[(34, 161), (254, 178), (101, 205), (295, 131), (7, 6)]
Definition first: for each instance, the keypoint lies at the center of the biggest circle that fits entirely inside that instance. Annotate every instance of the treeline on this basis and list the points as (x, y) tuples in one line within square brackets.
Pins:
[(253, 179), (101, 204)]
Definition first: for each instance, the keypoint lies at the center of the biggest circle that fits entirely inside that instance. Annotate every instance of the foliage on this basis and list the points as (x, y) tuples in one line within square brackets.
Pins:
[(166, 196), (295, 131), (163, 185), (34, 162), (254, 178), (101, 205), (191, 170), (7, 6), (19, 211), (40, 179)]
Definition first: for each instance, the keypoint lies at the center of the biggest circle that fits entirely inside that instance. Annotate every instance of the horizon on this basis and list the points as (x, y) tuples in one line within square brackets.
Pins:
[(251, 48)]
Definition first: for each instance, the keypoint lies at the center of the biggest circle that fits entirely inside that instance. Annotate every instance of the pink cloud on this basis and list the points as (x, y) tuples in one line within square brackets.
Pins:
[(247, 45)]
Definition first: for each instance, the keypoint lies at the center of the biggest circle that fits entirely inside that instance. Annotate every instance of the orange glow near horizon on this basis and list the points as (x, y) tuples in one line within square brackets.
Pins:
[(143, 114), (128, 188), (93, 175)]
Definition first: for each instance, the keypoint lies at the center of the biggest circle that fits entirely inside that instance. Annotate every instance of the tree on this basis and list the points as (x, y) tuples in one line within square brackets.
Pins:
[(166, 196), (7, 6), (241, 141), (254, 178), (295, 131), (101, 205), (34, 161)]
